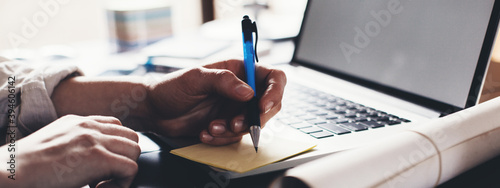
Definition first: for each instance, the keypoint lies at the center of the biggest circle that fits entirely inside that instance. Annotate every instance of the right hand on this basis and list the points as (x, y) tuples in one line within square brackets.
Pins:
[(74, 151), (209, 101)]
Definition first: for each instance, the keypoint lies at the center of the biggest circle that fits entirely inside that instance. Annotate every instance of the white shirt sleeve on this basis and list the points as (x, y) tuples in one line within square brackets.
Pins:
[(32, 90)]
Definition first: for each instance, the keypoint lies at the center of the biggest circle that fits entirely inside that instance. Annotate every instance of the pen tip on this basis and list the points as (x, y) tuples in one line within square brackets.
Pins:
[(256, 149)]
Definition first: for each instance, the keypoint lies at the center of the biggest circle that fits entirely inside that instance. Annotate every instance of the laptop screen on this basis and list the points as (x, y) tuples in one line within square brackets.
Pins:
[(428, 48)]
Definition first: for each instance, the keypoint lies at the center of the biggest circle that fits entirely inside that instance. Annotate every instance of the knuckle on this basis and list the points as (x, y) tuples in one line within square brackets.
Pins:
[(137, 150), (194, 75), (224, 75), (134, 136), (115, 120), (195, 72), (278, 107), (88, 137), (98, 152), (85, 123), (132, 169), (280, 74)]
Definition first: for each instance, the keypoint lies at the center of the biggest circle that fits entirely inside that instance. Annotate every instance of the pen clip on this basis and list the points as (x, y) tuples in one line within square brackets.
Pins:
[(254, 27)]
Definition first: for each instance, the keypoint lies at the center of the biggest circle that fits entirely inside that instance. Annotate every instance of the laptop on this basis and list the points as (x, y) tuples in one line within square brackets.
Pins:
[(363, 70)]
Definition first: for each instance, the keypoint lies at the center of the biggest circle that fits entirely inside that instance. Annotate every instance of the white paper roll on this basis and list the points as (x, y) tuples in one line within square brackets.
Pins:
[(425, 156)]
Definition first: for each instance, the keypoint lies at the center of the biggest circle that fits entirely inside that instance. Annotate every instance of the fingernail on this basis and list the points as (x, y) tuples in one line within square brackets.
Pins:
[(238, 126), (268, 107), (244, 90), (218, 128), (206, 137)]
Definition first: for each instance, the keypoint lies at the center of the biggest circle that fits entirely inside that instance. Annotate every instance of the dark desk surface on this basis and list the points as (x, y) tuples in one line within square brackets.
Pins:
[(159, 168), (162, 169)]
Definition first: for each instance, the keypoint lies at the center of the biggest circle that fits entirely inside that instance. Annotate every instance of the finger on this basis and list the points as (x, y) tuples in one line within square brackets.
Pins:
[(106, 119), (206, 138), (234, 65), (108, 126), (271, 80), (121, 171), (238, 124), (274, 86), (264, 118), (121, 146), (224, 82), (218, 127), (215, 132)]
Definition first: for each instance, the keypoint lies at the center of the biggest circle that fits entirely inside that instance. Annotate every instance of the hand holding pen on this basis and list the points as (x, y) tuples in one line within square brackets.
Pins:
[(211, 101)]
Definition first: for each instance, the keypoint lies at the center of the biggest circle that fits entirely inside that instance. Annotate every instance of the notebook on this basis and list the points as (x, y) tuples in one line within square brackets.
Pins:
[(364, 70)]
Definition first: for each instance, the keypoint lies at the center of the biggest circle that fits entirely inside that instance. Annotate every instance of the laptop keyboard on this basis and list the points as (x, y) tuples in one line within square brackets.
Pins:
[(323, 115)]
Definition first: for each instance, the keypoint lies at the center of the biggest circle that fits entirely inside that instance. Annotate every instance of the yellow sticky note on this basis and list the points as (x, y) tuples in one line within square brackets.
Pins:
[(241, 157)]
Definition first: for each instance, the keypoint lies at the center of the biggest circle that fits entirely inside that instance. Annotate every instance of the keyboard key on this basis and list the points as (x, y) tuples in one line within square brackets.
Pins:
[(321, 113), (312, 109), (322, 134), (331, 107), (341, 103), (335, 128), (340, 111), (321, 104), (317, 121), (333, 116), (312, 129), (354, 126), (307, 117), (351, 106), (340, 120), (301, 125), (290, 121), (393, 122), (393, 116), (360, 119), (361, 111), (297, 113), (383, 118), (405, 120), (372, 124), (350, 115)]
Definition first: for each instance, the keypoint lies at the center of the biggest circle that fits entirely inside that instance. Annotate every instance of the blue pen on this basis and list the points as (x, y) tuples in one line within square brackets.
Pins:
[(250, 56)]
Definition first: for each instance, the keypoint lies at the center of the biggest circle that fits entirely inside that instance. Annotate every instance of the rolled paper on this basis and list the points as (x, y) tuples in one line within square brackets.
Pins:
[(424, 156)]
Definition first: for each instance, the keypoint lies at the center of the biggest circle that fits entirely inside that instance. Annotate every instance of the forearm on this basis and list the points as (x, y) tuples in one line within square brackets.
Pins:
[(121, 97)]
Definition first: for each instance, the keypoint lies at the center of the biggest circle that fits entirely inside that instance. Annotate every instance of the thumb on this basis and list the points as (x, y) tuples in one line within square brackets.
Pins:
[(225, 83)]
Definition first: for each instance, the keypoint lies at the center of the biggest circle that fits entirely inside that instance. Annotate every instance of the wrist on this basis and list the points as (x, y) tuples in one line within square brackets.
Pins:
[(149, 99)]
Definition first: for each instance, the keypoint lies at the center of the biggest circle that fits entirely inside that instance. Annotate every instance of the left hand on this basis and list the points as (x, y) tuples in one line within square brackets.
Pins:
[(210, 101)]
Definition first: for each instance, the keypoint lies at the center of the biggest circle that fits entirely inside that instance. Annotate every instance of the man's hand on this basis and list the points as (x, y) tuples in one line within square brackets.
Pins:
[(210, 100), (74, 151)]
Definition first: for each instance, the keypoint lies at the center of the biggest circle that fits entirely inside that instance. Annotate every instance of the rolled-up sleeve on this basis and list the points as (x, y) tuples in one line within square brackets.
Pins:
[(32, 105)]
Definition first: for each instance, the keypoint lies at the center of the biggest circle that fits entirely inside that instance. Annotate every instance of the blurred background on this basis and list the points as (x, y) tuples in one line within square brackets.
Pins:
[(90, 31), (70, 21)]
